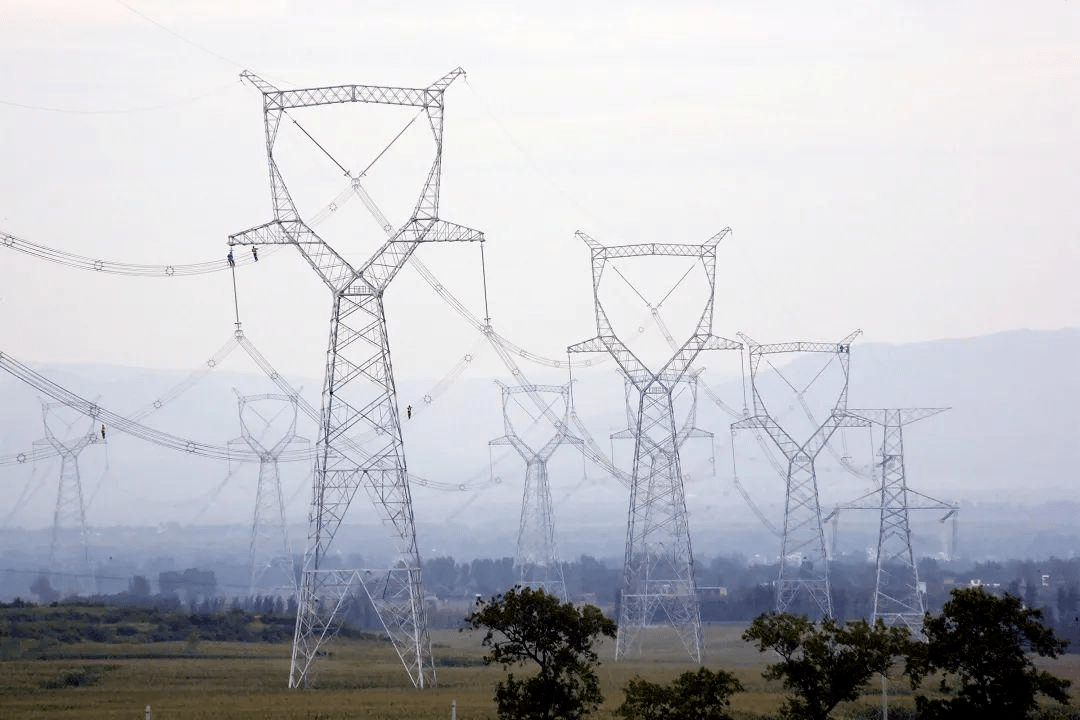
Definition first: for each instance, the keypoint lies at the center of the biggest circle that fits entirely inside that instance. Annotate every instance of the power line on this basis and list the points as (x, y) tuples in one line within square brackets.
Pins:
[(118, 111)]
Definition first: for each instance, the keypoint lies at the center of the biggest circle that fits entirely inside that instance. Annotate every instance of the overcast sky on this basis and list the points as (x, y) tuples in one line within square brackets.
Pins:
[(907, 168)]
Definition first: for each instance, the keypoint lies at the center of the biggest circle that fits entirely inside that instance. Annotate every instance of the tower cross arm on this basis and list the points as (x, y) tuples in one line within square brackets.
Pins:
[(633, 368), (515, 442), (332, 94), (836, 420), (894, 417), (695, 432), (668, 249), (715, 342), (334, 270), (595, 344), (271, 233), (843, 346), (441, 231), (776, 433), (389, 259), (681, 360), (532, 388), (562, 437)]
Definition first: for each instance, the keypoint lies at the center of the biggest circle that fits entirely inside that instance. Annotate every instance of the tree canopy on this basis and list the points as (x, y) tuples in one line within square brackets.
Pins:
[(980, 644), (695, 695), (823, 664), (526, 626)]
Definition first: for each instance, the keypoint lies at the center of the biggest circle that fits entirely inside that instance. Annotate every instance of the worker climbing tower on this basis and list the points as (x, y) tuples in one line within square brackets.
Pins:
[(804, 563), (270, 554), (537, 560), (360, 442), (658, 571)]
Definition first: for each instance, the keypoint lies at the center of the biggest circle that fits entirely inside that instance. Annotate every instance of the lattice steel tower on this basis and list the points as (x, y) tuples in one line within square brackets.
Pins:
[(804, 563), (360, 442), (687, 430), (70, 570), (537, 558), (269, 550), (897, 600), (658, 572)]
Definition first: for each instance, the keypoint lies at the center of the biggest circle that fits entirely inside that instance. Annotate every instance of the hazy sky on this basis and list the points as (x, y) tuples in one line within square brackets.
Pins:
[(907, 168)]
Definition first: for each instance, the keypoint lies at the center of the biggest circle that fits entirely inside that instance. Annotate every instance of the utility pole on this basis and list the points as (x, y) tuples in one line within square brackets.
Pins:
[(804, 563), (360, 441), (538, 563), (658, 571)]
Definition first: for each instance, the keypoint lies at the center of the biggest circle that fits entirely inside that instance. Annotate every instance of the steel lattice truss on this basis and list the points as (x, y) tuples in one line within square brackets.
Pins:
[(270, 553), (359, 441), (803, 560), (537, 558), (686, 431), (897, 595), (70, 570), (658, 572)]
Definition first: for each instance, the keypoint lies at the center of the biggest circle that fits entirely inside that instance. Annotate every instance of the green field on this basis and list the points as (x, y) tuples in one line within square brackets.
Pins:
[(359, 678)]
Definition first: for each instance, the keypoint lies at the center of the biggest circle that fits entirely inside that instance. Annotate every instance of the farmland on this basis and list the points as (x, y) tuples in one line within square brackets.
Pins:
[(360, 677)]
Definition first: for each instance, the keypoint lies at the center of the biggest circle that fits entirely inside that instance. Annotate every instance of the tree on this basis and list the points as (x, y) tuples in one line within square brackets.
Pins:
[(980, 644), (824, 664), (139, 586), (524, 626), (700, 695), (44, 590)]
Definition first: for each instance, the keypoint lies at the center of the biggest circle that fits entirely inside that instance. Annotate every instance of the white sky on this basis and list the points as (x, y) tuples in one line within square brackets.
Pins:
[(907, 168)]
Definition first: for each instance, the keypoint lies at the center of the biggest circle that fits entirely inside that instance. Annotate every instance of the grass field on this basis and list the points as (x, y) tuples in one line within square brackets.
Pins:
[(358, 679)]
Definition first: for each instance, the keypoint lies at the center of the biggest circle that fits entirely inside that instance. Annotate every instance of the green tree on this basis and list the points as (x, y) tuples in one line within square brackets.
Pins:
[(824, 664), (529, 626), (980, 643), (700, 695)]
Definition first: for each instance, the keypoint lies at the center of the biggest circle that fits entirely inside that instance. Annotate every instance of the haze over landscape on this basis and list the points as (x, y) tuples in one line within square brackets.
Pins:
[(1009, 478), (908, 171)]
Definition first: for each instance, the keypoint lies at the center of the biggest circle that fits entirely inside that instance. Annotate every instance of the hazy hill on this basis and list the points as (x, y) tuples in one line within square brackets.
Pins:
[(1006, 451)]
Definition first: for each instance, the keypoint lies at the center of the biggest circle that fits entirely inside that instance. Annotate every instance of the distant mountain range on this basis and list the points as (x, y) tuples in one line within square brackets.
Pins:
[(1006, 452)]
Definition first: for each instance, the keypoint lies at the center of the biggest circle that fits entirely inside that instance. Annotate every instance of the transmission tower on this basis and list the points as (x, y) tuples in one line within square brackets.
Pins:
[(70, 571), (537, 558), (360, 440), (658, 571), (804, 563), (269, 551), (688, 429), (898, 596)]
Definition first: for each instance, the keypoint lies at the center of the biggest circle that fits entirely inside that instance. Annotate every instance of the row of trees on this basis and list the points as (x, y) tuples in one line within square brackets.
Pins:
[(978, 650), (1052, 584)]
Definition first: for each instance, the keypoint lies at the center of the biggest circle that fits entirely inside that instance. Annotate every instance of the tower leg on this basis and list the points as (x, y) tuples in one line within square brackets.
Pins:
[(804, 564), (898, 598), (69, 558), (658, 573), (537, 556), (360, 445), (270, 554)]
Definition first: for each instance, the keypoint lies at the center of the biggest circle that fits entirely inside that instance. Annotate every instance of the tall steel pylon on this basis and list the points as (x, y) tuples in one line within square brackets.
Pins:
[(70, 570), (898, 596), (804, 563), (658, 571), (269, 551), (537, 560), (687, 430), (360, 441)]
